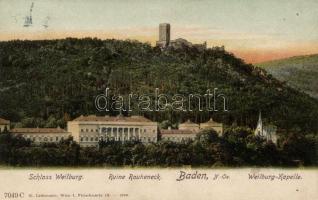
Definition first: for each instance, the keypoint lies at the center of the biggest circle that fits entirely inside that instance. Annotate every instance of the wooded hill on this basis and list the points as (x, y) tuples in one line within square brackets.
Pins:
[(299, 72), (45, 83)]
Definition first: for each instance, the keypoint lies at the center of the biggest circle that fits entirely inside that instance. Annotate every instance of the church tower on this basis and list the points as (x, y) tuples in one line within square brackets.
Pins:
[(267, 132), (259, 127)]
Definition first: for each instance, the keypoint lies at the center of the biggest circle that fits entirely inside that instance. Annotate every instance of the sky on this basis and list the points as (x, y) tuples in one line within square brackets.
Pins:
[(255, 30)]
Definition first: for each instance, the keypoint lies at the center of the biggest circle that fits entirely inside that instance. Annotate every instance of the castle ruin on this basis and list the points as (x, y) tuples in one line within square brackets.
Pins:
[(164, 39)]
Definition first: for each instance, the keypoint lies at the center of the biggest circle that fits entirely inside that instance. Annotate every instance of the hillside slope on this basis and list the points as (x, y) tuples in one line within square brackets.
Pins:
[(299, 72), (46, 83)]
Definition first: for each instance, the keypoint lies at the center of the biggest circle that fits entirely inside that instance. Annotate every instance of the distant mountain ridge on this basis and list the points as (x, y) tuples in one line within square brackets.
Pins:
[(299, 72)]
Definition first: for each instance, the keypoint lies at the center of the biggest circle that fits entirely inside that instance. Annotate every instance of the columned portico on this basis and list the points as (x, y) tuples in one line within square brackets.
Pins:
[(117, 128)]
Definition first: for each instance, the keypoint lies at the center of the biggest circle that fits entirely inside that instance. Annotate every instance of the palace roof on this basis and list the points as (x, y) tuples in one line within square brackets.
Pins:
[(189, 122), (120, 118), (38, 130), (211, 122)]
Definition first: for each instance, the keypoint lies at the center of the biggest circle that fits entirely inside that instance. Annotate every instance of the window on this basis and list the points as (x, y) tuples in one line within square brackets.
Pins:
[(92, 139), (57, 139), (81, 139), (109, 130)]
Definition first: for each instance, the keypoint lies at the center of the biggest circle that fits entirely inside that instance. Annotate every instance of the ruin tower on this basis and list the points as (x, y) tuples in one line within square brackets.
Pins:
[(164, 35)]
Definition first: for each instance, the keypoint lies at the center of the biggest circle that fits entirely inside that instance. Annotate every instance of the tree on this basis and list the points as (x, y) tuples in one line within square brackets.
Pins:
[(207, 136)]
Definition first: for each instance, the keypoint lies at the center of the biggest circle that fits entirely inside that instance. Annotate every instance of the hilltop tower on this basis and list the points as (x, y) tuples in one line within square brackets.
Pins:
[(164, 35)]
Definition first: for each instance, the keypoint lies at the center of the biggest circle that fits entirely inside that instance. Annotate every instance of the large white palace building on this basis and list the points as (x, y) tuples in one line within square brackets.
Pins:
[(89, 130), (189, 130), (42, 135)]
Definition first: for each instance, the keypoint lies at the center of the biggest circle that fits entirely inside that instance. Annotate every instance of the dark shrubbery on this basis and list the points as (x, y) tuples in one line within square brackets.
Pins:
[(238, 147)]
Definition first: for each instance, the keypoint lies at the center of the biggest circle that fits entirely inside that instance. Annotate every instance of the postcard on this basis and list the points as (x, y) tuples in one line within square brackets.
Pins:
[(146, 99)]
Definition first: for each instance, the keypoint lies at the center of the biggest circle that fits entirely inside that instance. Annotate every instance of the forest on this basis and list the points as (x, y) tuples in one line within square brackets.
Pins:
[(46, 83)]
